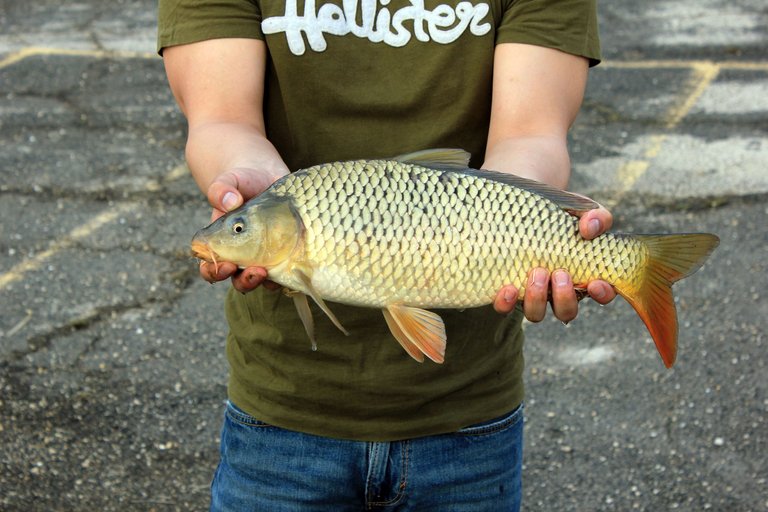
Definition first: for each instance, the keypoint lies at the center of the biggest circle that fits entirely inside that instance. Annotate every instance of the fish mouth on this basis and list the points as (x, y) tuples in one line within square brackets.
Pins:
[(203, 251)]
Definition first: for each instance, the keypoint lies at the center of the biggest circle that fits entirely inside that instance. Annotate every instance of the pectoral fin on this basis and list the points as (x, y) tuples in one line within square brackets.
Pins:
[(307, 282), (417, 329), (302, 307)]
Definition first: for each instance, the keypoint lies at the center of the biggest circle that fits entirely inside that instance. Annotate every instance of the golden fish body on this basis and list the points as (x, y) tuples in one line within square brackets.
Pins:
[(384, 232), (424, 231)]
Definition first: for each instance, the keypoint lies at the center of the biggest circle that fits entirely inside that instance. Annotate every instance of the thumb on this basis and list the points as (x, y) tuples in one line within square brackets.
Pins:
[(595, 222), (232, 188), (223, 193)]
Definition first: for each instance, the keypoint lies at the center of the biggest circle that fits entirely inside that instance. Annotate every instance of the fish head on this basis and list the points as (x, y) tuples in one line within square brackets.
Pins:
[(262, 233)]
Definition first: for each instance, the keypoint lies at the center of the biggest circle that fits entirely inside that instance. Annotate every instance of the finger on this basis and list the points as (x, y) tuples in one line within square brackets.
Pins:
[(214, 272), (505, 300), (601, 292), (535, 301), (564, 302), (249, 279), (594, 223)]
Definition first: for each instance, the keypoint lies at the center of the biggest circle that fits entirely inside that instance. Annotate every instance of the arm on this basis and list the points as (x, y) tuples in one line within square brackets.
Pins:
[(537, 93), (219, 86)]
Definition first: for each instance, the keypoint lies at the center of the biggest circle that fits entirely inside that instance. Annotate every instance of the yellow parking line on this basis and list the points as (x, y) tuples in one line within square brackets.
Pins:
[(702, 75), (108, 215), (33, 51), (746, 65), (31, 264), (683, 64)]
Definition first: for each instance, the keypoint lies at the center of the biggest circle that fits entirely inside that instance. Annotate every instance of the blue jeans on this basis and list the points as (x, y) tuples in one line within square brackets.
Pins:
[(266, 468)]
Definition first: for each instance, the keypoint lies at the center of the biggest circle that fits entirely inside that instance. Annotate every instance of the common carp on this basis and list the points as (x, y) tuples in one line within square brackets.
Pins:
[(424, 231)]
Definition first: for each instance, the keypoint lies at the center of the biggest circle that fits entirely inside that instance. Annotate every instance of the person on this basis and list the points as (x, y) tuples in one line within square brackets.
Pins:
[(270, 87)]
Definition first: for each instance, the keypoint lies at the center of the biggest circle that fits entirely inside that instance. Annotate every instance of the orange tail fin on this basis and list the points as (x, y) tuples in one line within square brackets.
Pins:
[(671, 258)]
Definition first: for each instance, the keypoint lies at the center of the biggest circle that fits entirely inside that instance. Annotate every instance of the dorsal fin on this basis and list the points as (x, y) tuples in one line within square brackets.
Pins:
[(566, 200), (457, 160), (437, 158)]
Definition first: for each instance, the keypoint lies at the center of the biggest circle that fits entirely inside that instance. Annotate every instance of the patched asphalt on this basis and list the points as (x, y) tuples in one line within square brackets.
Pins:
[(112, 368)]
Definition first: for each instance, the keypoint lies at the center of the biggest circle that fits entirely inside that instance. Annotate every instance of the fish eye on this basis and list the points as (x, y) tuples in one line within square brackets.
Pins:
[(238, 226)]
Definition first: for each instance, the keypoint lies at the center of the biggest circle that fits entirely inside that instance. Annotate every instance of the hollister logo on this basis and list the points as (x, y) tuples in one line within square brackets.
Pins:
[(377, 23)]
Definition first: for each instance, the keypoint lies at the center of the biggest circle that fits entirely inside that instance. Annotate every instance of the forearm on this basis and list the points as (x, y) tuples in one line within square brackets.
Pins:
[(219, 85), (537, 93), (217, 147), (538, 157)]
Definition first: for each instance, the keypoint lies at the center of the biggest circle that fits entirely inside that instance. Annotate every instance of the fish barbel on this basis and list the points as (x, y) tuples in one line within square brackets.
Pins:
[(425, 231)]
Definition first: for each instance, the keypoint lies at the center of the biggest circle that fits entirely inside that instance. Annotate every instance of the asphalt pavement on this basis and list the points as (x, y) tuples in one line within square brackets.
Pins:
[(112, 368)]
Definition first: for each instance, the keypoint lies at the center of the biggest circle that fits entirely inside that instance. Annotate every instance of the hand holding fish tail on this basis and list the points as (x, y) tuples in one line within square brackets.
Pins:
[(530, 141), (558, 288)]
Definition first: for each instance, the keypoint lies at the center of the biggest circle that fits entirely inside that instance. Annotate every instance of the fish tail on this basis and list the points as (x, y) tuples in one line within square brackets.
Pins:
[(670, 258)]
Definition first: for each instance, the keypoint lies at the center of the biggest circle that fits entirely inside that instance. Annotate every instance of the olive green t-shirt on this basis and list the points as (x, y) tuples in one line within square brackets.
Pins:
[(353, 79)]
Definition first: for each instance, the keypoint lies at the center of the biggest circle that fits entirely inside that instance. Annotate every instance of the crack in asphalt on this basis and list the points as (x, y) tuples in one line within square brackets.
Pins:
[(182, 281)]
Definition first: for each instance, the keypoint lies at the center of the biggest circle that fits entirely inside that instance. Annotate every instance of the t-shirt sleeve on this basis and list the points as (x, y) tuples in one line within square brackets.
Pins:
[(189, 21), (566, 25)]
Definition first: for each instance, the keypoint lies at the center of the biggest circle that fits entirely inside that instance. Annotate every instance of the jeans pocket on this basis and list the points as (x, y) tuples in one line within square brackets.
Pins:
[(495, 425), (237, 415)]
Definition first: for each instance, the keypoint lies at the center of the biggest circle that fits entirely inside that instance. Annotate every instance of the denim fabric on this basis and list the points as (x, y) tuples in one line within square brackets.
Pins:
[(266, 468)]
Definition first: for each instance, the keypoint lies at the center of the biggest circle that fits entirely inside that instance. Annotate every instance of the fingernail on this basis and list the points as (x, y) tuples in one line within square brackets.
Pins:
[(508, 296), (593, 228), (539, 278), (560, 278), (599, 293), (229, 201)]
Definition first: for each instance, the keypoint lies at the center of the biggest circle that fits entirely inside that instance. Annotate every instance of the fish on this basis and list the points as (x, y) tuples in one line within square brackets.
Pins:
[(424, 231)]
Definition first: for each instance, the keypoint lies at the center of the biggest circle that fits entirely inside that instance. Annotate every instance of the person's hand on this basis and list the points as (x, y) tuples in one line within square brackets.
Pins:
[(228, 191), (564, 297)]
